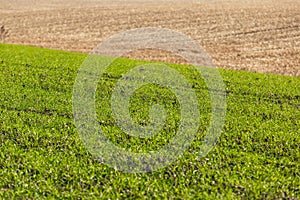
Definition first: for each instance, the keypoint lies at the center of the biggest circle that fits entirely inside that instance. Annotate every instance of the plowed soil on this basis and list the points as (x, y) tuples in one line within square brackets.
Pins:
[(259, 36)]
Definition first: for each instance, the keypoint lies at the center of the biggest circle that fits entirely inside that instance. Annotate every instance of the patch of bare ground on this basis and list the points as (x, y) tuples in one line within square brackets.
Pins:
[(259, 36)]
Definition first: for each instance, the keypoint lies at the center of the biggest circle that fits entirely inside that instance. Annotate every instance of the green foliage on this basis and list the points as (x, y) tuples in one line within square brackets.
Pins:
[(42, 156)]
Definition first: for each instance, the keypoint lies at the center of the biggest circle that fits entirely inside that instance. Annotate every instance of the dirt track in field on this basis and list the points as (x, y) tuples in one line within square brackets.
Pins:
[(247, 35)]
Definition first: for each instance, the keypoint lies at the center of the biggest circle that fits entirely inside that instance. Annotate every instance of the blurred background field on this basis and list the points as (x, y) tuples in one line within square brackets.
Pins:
[(259, 36)]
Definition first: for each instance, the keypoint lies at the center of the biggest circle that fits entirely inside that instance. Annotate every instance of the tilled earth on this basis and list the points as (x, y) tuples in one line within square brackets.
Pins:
[(259, 36)]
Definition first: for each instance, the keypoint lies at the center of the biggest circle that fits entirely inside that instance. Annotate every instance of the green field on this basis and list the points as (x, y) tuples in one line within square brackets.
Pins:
[(42, 155)]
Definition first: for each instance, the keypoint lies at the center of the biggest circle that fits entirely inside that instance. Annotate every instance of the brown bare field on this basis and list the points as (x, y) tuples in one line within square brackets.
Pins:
[(259, 36)]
